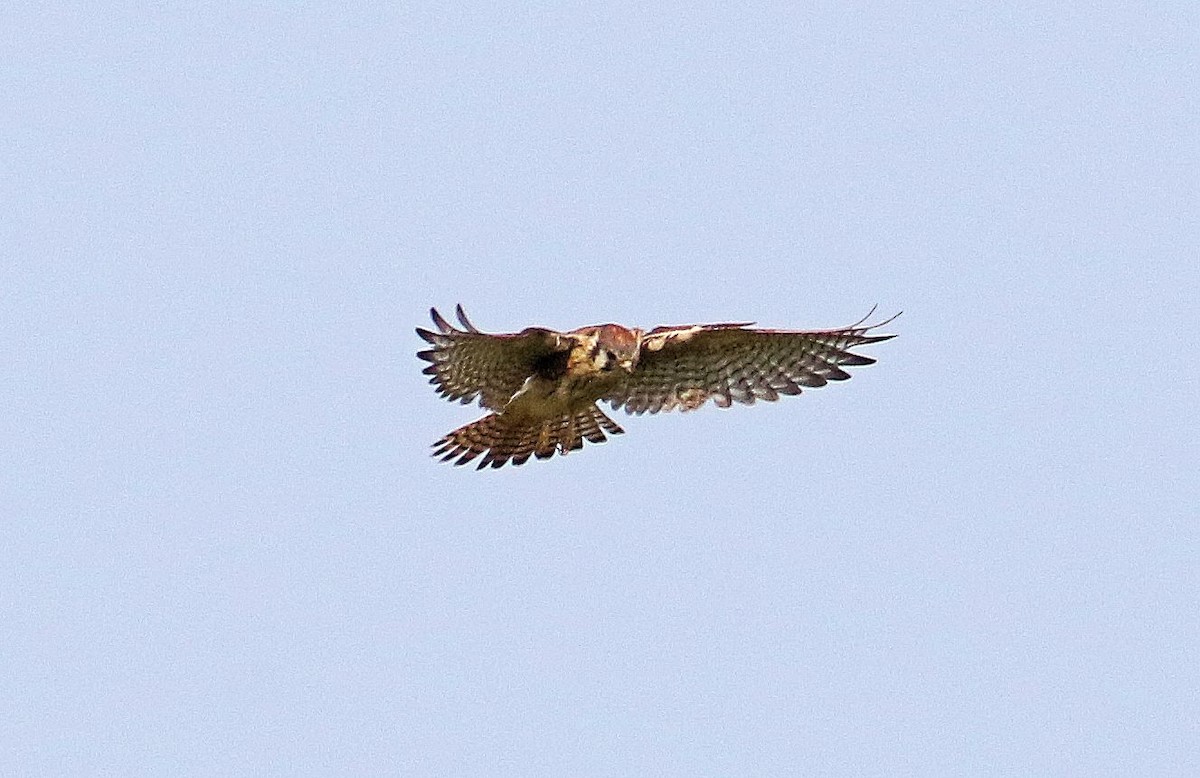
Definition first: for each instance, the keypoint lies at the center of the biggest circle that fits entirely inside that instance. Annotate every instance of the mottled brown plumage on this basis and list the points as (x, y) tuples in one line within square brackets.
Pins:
[(542, 385)]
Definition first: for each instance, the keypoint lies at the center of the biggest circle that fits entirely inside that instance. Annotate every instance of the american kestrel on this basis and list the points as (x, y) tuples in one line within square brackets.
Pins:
[(542, 386)]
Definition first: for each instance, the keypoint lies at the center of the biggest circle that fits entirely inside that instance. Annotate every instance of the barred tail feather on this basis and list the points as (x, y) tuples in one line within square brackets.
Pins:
[(501, 439)]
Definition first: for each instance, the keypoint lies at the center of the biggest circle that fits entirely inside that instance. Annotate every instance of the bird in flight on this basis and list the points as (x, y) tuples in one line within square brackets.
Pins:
[(542, 386)]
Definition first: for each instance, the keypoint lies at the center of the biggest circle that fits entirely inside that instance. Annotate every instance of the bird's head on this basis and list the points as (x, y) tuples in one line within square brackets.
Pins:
[(617, 348)]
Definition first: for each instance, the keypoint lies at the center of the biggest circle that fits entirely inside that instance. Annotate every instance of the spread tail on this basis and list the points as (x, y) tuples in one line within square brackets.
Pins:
[(503, 438)]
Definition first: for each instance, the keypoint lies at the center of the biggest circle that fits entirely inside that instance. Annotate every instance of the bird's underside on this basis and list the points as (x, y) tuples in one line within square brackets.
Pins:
[(542, 386)]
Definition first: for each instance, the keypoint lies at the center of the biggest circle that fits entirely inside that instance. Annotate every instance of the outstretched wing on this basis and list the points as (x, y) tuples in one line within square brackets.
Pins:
[(467, 363), (685, 366)]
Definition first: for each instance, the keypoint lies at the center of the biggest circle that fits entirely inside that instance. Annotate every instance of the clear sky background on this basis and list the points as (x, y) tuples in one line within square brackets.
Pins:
[(227, 551)]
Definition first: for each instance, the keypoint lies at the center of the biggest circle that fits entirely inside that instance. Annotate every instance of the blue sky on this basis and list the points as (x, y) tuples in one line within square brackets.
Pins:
[(228, 552)]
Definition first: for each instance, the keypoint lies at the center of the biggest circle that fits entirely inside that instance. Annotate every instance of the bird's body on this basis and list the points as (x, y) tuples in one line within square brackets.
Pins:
[(543, 385)]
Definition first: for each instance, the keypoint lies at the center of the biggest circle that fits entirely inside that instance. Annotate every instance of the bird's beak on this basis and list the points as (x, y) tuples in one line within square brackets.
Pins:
[(627, 365)]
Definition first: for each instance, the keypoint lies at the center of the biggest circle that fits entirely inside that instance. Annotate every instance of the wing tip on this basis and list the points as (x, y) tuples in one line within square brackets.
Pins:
[(446, 327), (861, 324), (463, 320), (440, 322)]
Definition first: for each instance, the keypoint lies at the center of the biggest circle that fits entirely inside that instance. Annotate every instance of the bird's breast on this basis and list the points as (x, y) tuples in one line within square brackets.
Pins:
[(542, 398)]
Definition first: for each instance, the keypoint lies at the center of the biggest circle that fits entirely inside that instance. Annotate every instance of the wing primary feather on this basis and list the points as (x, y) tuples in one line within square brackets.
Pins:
[(462, 318), (441, 323), (870, 313)]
